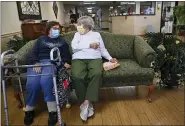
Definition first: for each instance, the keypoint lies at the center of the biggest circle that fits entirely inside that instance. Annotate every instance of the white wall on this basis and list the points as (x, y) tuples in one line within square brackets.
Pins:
[(48, 13), (137, 7), (136, 25), (10, 19), (141, 22)]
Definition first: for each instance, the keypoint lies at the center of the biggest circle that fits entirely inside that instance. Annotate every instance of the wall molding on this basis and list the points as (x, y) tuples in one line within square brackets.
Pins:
[(11, 34)]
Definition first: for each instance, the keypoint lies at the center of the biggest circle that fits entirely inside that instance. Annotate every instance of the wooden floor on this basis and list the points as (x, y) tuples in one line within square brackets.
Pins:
[(117, 106)]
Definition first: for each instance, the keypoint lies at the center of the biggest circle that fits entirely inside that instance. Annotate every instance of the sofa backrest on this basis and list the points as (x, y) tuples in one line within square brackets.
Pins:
[(119, 46), (69, 37), (23, 52)]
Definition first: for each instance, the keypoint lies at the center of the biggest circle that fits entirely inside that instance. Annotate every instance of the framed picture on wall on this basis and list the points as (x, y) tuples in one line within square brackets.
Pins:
[(55, 8), (29, 10)]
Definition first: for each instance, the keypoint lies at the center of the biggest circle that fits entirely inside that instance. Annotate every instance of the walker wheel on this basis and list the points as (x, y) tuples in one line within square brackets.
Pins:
[(68, 105)]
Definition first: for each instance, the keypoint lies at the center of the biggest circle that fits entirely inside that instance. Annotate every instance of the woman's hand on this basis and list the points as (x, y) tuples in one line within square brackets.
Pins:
[(37, 69), (94, 45), (67, 66), (113, 60)]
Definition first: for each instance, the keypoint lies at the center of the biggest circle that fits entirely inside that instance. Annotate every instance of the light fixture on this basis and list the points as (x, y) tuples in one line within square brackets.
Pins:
[(89, 8), (89, 2), (122, 3), (90, 11), (86, 3), (131, 3)]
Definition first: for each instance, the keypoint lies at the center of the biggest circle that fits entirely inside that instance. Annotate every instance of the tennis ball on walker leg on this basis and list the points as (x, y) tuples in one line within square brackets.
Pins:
[(68, 105), (24, 109)]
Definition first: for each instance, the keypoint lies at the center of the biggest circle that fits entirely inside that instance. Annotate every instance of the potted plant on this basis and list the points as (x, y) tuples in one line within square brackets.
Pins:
[(179, 13), (170, 60), (16, 43)]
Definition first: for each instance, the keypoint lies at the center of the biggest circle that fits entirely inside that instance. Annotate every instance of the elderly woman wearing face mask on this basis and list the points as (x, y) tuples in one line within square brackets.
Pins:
[(88, 49), (40, 54)]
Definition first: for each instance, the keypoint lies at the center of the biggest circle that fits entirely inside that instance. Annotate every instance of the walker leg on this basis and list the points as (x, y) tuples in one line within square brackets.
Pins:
[(68, 105), (55, 83), (3, 72), (5, 103), (57, 102), (20, 85), (18, 98)]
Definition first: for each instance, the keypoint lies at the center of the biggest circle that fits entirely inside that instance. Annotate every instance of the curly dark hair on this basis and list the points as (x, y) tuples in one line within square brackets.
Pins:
[(50, 24)]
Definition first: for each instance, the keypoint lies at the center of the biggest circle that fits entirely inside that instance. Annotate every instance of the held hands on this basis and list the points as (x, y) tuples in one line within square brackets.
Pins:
[(38, 69), (67, 66), (94, 45), (114, 60)]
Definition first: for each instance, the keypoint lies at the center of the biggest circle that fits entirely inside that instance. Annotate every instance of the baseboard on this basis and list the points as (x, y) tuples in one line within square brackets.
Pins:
[(11, 34)]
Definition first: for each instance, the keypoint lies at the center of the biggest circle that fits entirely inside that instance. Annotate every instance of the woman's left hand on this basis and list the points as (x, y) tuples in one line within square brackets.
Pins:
[(113, 60), (67, 66)]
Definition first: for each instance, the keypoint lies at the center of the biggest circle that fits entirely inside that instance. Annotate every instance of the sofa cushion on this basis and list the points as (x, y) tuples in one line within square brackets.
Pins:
[(129, 71)]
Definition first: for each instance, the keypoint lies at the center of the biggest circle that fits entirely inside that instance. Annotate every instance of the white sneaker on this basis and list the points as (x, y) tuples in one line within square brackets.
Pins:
[(90, 110), (84, 111)]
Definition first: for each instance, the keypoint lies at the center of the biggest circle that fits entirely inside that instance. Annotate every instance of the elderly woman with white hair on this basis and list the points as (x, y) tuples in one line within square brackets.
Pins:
[(87, 65)]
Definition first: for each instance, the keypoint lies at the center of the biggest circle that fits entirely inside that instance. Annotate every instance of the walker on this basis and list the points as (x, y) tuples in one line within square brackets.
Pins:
[(5, 65)]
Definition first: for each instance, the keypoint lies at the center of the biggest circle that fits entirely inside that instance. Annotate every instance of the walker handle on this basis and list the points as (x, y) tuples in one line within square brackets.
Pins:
[(52, 55), (11, 51)]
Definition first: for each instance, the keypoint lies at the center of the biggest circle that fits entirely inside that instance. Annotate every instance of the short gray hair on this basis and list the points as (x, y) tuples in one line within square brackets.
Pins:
[(87, 22)]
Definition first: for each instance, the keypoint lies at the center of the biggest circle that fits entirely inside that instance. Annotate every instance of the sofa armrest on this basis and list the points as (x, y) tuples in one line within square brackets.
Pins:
[(23, 52), (143, 52)]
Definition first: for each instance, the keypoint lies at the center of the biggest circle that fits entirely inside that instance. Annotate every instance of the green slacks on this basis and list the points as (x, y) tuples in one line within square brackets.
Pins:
[(87, 75)]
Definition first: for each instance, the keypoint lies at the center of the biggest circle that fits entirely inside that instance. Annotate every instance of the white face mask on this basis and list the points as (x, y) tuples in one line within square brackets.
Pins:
[(80, 29)]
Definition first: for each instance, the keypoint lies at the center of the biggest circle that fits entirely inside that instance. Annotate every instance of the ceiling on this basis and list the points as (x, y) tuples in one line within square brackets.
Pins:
[(85, 5), (89, 3), (92, 5)]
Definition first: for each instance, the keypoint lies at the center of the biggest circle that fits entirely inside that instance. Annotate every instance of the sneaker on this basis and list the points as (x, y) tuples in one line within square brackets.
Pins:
[(29, 116), (84, 112), (53, 118), (90, 110)]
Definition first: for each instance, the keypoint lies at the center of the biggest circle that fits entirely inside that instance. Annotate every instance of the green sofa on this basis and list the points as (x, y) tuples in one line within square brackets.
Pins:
[(133, 53)]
